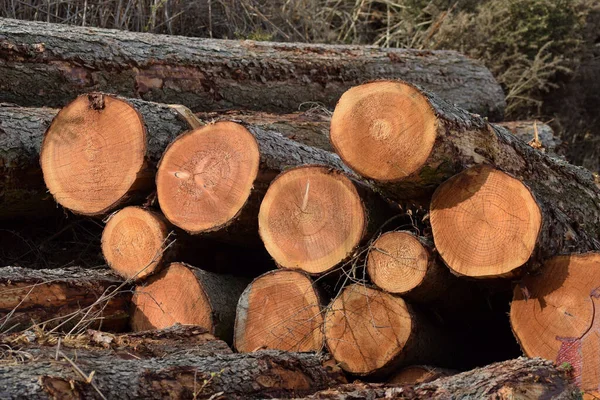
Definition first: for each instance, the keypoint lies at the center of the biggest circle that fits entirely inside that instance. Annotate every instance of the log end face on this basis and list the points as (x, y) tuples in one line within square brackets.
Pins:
[(367, 329), (485, 223), (93, 153), (556, 315), (133, 242), (280, 310), (205, 176), (397, 262), (384, 130), (311, 218), (172, 296)]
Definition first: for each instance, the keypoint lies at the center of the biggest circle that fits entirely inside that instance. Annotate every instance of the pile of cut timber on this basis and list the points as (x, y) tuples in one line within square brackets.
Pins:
[(389, 233)]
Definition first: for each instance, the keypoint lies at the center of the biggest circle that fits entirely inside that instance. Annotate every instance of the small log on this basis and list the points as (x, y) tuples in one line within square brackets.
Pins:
[(522, 378), (67, 298), (99, 151), (49, 64), (310, 127), (553, 315), (485, 223), (535, 133), (158, 343), (181, 294), (22, 189), (416, 374), (265, 374), (279, 310), (400, 262), (137, 242), (410, 141), (134, 242), (370, 332), (215, 177), (313, 218)]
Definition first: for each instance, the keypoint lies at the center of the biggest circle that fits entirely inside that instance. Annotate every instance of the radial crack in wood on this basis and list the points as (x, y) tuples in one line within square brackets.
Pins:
[(279, 310), (485, 223), (556, 315)]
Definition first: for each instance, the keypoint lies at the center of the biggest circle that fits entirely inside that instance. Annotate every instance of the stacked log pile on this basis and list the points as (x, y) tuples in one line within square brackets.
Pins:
[(378, 233)]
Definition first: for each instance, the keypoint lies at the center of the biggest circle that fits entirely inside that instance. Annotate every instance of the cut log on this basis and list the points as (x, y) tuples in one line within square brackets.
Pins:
[(191, 339), (522, 378), (401, 263), (310, 127), (137, 242), (485, 223), (370, 332), (98, 152), (545, 140), (279, 310), (419, 374), (180, 375), (134, 241), (65, 298), (553, 315), (22, 189), (410, 141), (313, 218), (48, 64), (187, 295), (215, 177)]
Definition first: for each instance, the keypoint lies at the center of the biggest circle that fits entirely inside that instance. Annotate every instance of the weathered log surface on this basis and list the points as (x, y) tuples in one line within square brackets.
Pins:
[(191, 339), (310, 127), (68, 297), (523, 378), (22, 189), (48, 64), (263, 374)]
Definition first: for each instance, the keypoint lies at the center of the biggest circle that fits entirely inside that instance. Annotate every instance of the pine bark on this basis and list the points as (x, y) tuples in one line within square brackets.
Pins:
[(524, 378), (258, 375), (49, 64), (66, 297), (191, 339)]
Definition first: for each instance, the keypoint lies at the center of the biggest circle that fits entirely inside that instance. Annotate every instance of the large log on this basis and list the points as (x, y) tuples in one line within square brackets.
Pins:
[(100, 150), (522, 378), (213, 179), (264, 374), (181, 294), (536, 133), (410, 141), (553, 315), (68, 298), (48, 64), (313, 218), (279, 310)]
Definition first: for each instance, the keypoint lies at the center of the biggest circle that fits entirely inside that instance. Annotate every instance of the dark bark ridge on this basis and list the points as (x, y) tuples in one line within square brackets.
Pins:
[(232, 376), (55, 62), (524, 378)]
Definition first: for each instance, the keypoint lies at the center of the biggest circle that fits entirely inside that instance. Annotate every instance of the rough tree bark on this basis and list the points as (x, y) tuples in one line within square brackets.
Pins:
[(523, 378), (547, 141), (49, 64), (66, 297), (263, 374), (191, 339), (22, 189)]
